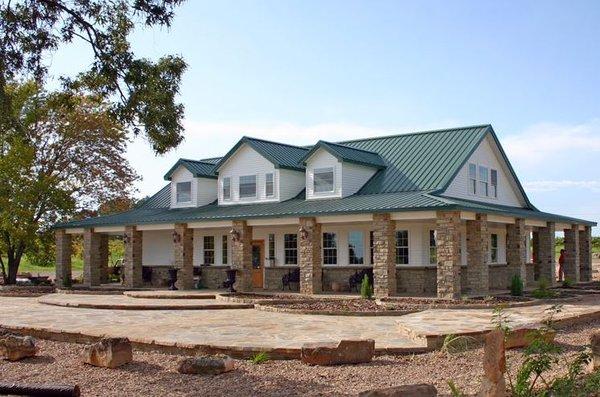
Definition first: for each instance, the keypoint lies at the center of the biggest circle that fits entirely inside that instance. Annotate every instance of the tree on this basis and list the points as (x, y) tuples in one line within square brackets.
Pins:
[(142, 92), (66, 154)]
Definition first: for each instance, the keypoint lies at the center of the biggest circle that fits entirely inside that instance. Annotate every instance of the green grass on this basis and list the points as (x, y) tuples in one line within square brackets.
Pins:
[(27, 267)]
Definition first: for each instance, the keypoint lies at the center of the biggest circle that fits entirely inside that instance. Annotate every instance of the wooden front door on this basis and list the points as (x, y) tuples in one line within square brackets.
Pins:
[(258, 263)]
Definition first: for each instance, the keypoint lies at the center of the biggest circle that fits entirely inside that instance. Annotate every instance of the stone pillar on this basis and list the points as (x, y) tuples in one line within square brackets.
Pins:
[(595, 344), (516, 250), (448, 254), (478, 254), (64, 250), (310, 260), (535, 252), (384, 256), (91, 257), (183, 253), (242, 256), (494, 365), (571, 266), (132, 263), (585, 254), (103, 258), (546, 254)]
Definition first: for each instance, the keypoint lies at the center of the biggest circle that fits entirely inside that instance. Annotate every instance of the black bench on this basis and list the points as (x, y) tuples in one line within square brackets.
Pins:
[(356, 279), (293, 276)]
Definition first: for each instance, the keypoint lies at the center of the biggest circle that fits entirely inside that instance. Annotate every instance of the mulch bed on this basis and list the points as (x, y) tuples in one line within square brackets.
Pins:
[(25, 291)]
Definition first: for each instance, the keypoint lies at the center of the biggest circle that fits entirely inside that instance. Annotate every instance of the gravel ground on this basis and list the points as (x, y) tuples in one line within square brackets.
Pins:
[(154, 374)]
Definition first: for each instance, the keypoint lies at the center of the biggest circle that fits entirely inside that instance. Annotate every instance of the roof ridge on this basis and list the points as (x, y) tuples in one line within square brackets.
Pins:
[(196, 161), (350, 147), (273, 142), (415, 133)]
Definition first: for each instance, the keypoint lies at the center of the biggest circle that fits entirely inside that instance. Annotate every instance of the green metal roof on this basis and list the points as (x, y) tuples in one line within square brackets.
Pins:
[(348, 154), (280, 154), (200, 169)]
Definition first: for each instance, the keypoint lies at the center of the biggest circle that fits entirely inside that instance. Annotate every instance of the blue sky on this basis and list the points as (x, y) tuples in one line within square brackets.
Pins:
[(298, 71)]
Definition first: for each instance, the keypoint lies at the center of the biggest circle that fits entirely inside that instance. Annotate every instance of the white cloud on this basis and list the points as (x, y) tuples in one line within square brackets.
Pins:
[(549, 186)]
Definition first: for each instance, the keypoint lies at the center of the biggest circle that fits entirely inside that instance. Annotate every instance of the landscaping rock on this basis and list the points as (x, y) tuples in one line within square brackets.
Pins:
[(494, 365), (344, 352), (595, 342), (15, 347), (108, 353), (421, 390), (206, 365), (522, 337)]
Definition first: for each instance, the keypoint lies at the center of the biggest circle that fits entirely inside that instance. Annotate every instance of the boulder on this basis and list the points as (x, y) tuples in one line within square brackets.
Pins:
[(494, 365), (595, 342), (108, 353), (522, 337), (420, 390), (15, 347), (344, 352), (206, 365)]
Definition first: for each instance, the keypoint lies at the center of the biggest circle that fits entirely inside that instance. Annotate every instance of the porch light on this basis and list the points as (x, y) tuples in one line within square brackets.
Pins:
[(235, 235), (176, 237)]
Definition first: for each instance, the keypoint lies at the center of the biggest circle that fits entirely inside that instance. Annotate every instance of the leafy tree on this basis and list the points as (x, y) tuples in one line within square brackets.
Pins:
[(64, 155), (142, 92)]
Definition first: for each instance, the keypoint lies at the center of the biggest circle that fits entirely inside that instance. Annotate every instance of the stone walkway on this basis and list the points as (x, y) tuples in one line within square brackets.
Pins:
[(252, 330)]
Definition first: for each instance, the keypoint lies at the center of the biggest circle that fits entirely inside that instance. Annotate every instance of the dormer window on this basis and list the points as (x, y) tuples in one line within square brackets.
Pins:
[(184, 192), (227, 188), (323, 180), (269, 188), (247, 186)]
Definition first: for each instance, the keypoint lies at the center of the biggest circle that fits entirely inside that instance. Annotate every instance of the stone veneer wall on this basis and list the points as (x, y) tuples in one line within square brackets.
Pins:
[(92, 257), (571, 266), (183, 250), (448, 255), (273, 275), (309, 256), (500, 277), (340, 274), (478, 243), (212, 277), (64, 249), (421, 280), (242, 256), (516, 249), (585, 254), (132, 260), (384, 256)]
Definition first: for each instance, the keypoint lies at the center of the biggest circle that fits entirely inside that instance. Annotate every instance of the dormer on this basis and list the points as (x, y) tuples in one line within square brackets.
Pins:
[(259, 171), (335, 171), (193, 183)]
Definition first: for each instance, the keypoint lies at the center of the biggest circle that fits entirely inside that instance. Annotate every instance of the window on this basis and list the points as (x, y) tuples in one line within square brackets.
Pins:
[(402, 247), (472, 178), (290, 248), (371, 245), (224, 253), (483, 181), (432, 247), (269, 190), (227, 188), (494, 183), (329, 249), (494, 248), (248, 186), (184, 192), (271, 246), (356, 248), (323, 180), (209, 250)]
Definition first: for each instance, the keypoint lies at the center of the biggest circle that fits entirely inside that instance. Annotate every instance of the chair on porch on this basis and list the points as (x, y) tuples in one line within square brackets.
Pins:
[(293, 276)]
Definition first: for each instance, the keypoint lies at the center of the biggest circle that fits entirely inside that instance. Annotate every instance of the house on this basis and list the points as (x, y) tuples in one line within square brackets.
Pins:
[(437, 212)]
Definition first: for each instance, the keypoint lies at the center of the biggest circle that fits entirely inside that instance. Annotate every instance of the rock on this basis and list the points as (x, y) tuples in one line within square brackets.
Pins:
[(595, 342), (344, 352), (522, 337), (206, 365), (494, 365), (421, 390), (15, 347), (109, 353)]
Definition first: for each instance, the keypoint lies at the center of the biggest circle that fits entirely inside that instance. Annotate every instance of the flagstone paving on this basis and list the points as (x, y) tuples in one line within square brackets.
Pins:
[(253, 329)]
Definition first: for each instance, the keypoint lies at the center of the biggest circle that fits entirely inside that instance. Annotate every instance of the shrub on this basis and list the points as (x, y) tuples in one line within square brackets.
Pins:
[(260, 358), (366, 289), (542, 291), (458, 343), (567, 283), (516, 285)]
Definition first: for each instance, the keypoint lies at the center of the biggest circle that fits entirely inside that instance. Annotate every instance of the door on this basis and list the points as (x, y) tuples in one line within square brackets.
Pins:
[(258, 263)]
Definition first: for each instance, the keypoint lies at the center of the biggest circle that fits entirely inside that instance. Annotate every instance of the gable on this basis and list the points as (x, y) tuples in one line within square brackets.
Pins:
[(245, 161), (488, 154)]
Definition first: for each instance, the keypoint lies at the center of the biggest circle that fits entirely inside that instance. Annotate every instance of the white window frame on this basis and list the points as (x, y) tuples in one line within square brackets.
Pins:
[(484, 183), (205, 250), (397, 247), (224, 250), (228, 180), (322, 171), (335, 248), (245, 197), (271, 184), (292, 251), (177, 192)]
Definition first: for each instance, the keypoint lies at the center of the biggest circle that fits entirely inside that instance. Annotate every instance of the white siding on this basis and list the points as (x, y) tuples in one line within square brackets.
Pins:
[(207, 191), (354, 177), (291, 183), (157, 248), (204, 190), (487, 155), (323, 159)]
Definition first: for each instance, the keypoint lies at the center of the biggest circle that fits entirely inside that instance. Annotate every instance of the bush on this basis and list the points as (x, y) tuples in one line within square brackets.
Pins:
[(542, 291), (568, 283), (260, 358), (366, 290), (516, 285)]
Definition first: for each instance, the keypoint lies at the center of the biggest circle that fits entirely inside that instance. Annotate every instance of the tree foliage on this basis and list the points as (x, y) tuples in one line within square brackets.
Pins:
[(142, 92), (63, 154)]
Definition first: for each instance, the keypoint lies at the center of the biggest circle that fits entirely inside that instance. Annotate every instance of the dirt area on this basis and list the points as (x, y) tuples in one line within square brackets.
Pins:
[(25, 291), (155, 374)]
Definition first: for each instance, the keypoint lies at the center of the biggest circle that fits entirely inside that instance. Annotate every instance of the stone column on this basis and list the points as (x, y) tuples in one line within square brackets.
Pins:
[(546, 254), (103, 258), (384, 256), (183, 253), (310, 260), (585, 254), (516, 250), (91, 257), (64, 250), (535, 251), (571, 266), (478, 254), (132, 263), (242, 256), (448, 254)]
